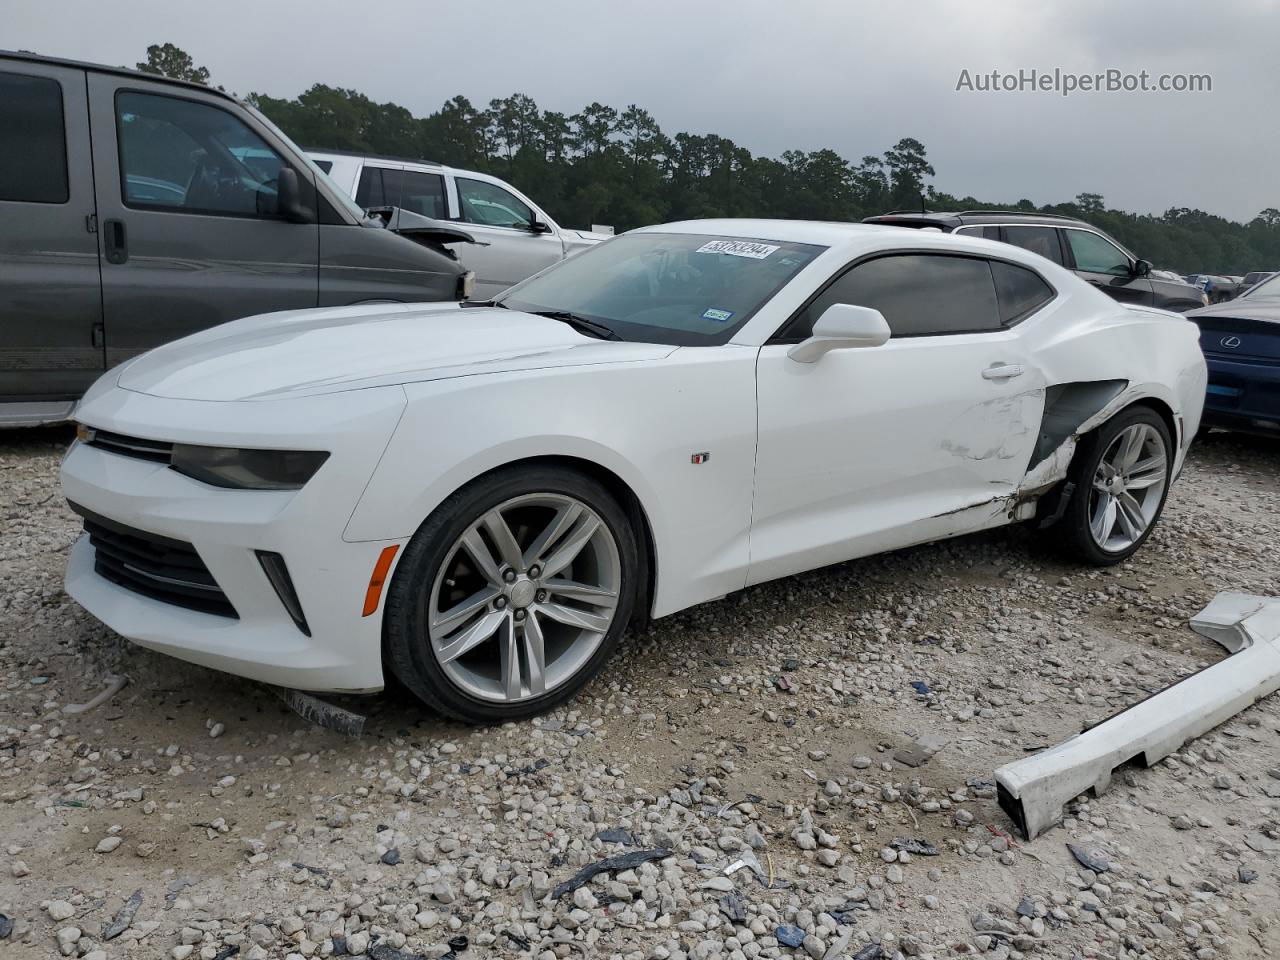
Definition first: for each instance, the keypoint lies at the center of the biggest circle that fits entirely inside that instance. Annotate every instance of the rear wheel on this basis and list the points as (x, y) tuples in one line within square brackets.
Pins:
[(1121, 475), (512, 594)]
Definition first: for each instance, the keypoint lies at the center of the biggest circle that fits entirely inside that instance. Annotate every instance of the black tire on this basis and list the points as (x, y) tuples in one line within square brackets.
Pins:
[(1072, 532), (407, 647)]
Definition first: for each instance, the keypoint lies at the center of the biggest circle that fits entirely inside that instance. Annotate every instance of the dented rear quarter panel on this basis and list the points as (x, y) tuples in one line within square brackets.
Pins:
[(1154, 352)]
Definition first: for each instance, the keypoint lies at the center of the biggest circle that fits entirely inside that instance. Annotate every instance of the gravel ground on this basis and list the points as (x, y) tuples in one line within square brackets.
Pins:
[(765, 727)]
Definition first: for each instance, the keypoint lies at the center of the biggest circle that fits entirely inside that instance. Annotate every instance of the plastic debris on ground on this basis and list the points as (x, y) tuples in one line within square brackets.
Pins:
[(1091, 858), (124, 917), (789, 936), (624, 861)]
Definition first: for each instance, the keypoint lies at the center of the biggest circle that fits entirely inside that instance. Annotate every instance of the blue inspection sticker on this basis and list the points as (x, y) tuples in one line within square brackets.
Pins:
[(719, 316)]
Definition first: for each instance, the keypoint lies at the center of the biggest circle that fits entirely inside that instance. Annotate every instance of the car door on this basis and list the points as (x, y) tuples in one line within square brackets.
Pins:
[(1104, 265), (191, 237), (518, 243), (927, 436), (50, 292)]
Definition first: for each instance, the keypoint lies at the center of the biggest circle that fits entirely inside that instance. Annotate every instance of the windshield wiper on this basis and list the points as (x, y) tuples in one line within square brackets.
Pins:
[(484, 303), (591, 328)]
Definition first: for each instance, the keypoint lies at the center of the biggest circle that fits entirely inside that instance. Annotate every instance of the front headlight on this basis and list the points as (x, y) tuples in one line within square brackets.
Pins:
[(244, 469)]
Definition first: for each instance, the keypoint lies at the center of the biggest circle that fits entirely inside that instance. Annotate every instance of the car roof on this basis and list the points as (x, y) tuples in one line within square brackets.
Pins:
[(116, 71), (357, 155), (961, 217), (858, 239), (828, 233)]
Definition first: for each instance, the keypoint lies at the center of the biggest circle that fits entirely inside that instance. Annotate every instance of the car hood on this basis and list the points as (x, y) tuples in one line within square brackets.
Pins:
[(1267, 308), (590, 236), (308, 352)]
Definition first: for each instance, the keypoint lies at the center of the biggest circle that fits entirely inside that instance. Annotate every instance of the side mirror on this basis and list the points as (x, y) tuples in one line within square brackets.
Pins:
[(289, 197), (842, 326), (538, 226), (1142, 268)]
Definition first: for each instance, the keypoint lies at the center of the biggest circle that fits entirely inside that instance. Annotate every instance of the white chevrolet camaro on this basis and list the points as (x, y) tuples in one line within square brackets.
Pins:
[(478, 497)]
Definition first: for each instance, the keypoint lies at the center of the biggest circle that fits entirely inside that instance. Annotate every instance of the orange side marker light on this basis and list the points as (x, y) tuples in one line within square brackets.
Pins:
[(373, 596)]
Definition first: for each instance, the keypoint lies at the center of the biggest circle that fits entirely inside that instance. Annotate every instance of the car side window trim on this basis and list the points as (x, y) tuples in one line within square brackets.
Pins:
[(783, 336), (305, 177)]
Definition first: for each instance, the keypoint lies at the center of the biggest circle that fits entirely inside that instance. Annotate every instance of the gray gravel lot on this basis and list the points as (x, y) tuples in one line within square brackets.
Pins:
[(761, 728)]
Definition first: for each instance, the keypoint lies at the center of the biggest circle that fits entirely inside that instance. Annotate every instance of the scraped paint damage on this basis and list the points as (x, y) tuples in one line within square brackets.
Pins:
[(983, 432), (1065, 412)]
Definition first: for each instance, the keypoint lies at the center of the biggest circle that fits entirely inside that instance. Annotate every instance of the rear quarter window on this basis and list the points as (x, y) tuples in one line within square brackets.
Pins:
[(1021, 292)]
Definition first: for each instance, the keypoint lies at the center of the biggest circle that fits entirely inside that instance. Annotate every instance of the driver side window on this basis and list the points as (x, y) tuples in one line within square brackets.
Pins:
[(490, 205), (186, 157), (1095, 254), (919, 294)]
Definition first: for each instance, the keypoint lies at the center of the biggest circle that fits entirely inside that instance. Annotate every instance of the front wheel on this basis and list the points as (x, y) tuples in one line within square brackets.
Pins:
[(1121, 475), (512, 594)]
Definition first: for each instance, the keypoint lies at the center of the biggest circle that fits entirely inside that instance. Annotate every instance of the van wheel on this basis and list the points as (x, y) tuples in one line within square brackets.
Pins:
[(512, 594), (1121, 474)]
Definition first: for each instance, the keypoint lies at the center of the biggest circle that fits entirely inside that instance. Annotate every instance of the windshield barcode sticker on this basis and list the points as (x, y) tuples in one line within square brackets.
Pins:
[(739, 248)]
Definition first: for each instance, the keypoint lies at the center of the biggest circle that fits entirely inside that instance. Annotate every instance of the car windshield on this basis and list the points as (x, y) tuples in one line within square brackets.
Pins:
[(676, 288), (1266, 290)]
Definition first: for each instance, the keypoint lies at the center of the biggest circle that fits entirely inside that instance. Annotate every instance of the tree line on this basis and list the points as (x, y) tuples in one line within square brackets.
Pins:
[(603, 165)]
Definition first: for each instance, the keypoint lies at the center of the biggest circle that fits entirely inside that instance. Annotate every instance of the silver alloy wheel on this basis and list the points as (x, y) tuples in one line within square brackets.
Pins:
[(1128, 487), (524, 597)]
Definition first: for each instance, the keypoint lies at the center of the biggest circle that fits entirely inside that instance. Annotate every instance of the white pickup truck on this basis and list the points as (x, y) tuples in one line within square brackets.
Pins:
[(514, 237)]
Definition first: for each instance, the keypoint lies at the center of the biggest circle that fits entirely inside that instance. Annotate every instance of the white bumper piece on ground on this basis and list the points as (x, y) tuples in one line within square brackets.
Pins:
[(1033, 791)]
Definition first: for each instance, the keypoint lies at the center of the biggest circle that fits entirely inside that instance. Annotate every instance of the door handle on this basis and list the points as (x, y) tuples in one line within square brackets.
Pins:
[(1002, 371), (116, 241)]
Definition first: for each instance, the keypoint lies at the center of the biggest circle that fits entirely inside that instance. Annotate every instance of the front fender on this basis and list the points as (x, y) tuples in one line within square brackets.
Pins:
[(641, 421)]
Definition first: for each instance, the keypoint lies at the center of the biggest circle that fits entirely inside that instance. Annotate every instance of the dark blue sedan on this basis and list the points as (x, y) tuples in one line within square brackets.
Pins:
[(1241, 342)]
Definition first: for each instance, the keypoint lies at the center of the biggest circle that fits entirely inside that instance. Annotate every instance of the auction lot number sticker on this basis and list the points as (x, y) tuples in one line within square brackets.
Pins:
[(739, 248)]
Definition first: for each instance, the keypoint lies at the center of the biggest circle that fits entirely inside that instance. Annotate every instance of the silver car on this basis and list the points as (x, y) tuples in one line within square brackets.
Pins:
[(515, 238)]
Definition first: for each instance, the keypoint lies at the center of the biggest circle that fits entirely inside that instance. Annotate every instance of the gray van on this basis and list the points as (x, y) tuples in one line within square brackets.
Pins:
[(135, 210)]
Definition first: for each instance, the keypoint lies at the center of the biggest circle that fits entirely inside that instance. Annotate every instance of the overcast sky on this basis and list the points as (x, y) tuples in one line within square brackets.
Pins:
[(774, 75)]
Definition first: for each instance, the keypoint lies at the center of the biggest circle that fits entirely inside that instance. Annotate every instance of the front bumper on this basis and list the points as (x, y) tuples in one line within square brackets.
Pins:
[(228, 527), (1243, 396)]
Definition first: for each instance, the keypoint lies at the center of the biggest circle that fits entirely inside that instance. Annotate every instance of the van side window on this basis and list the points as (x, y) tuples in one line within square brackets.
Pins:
[(489, 204), (182, 156), (33, 158), (919, 294)]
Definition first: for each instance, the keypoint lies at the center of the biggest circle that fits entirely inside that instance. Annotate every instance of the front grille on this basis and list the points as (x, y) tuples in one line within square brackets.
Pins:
[(154, 566), (140, 448)]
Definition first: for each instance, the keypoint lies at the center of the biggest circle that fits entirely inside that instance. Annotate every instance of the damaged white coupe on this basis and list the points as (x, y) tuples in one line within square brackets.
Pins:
[(478, 497)]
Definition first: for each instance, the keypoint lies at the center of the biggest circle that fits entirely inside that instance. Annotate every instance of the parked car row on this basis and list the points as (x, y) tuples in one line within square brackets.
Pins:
[(1074, 244), (514, 237), (476, 496), (157, 208)]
